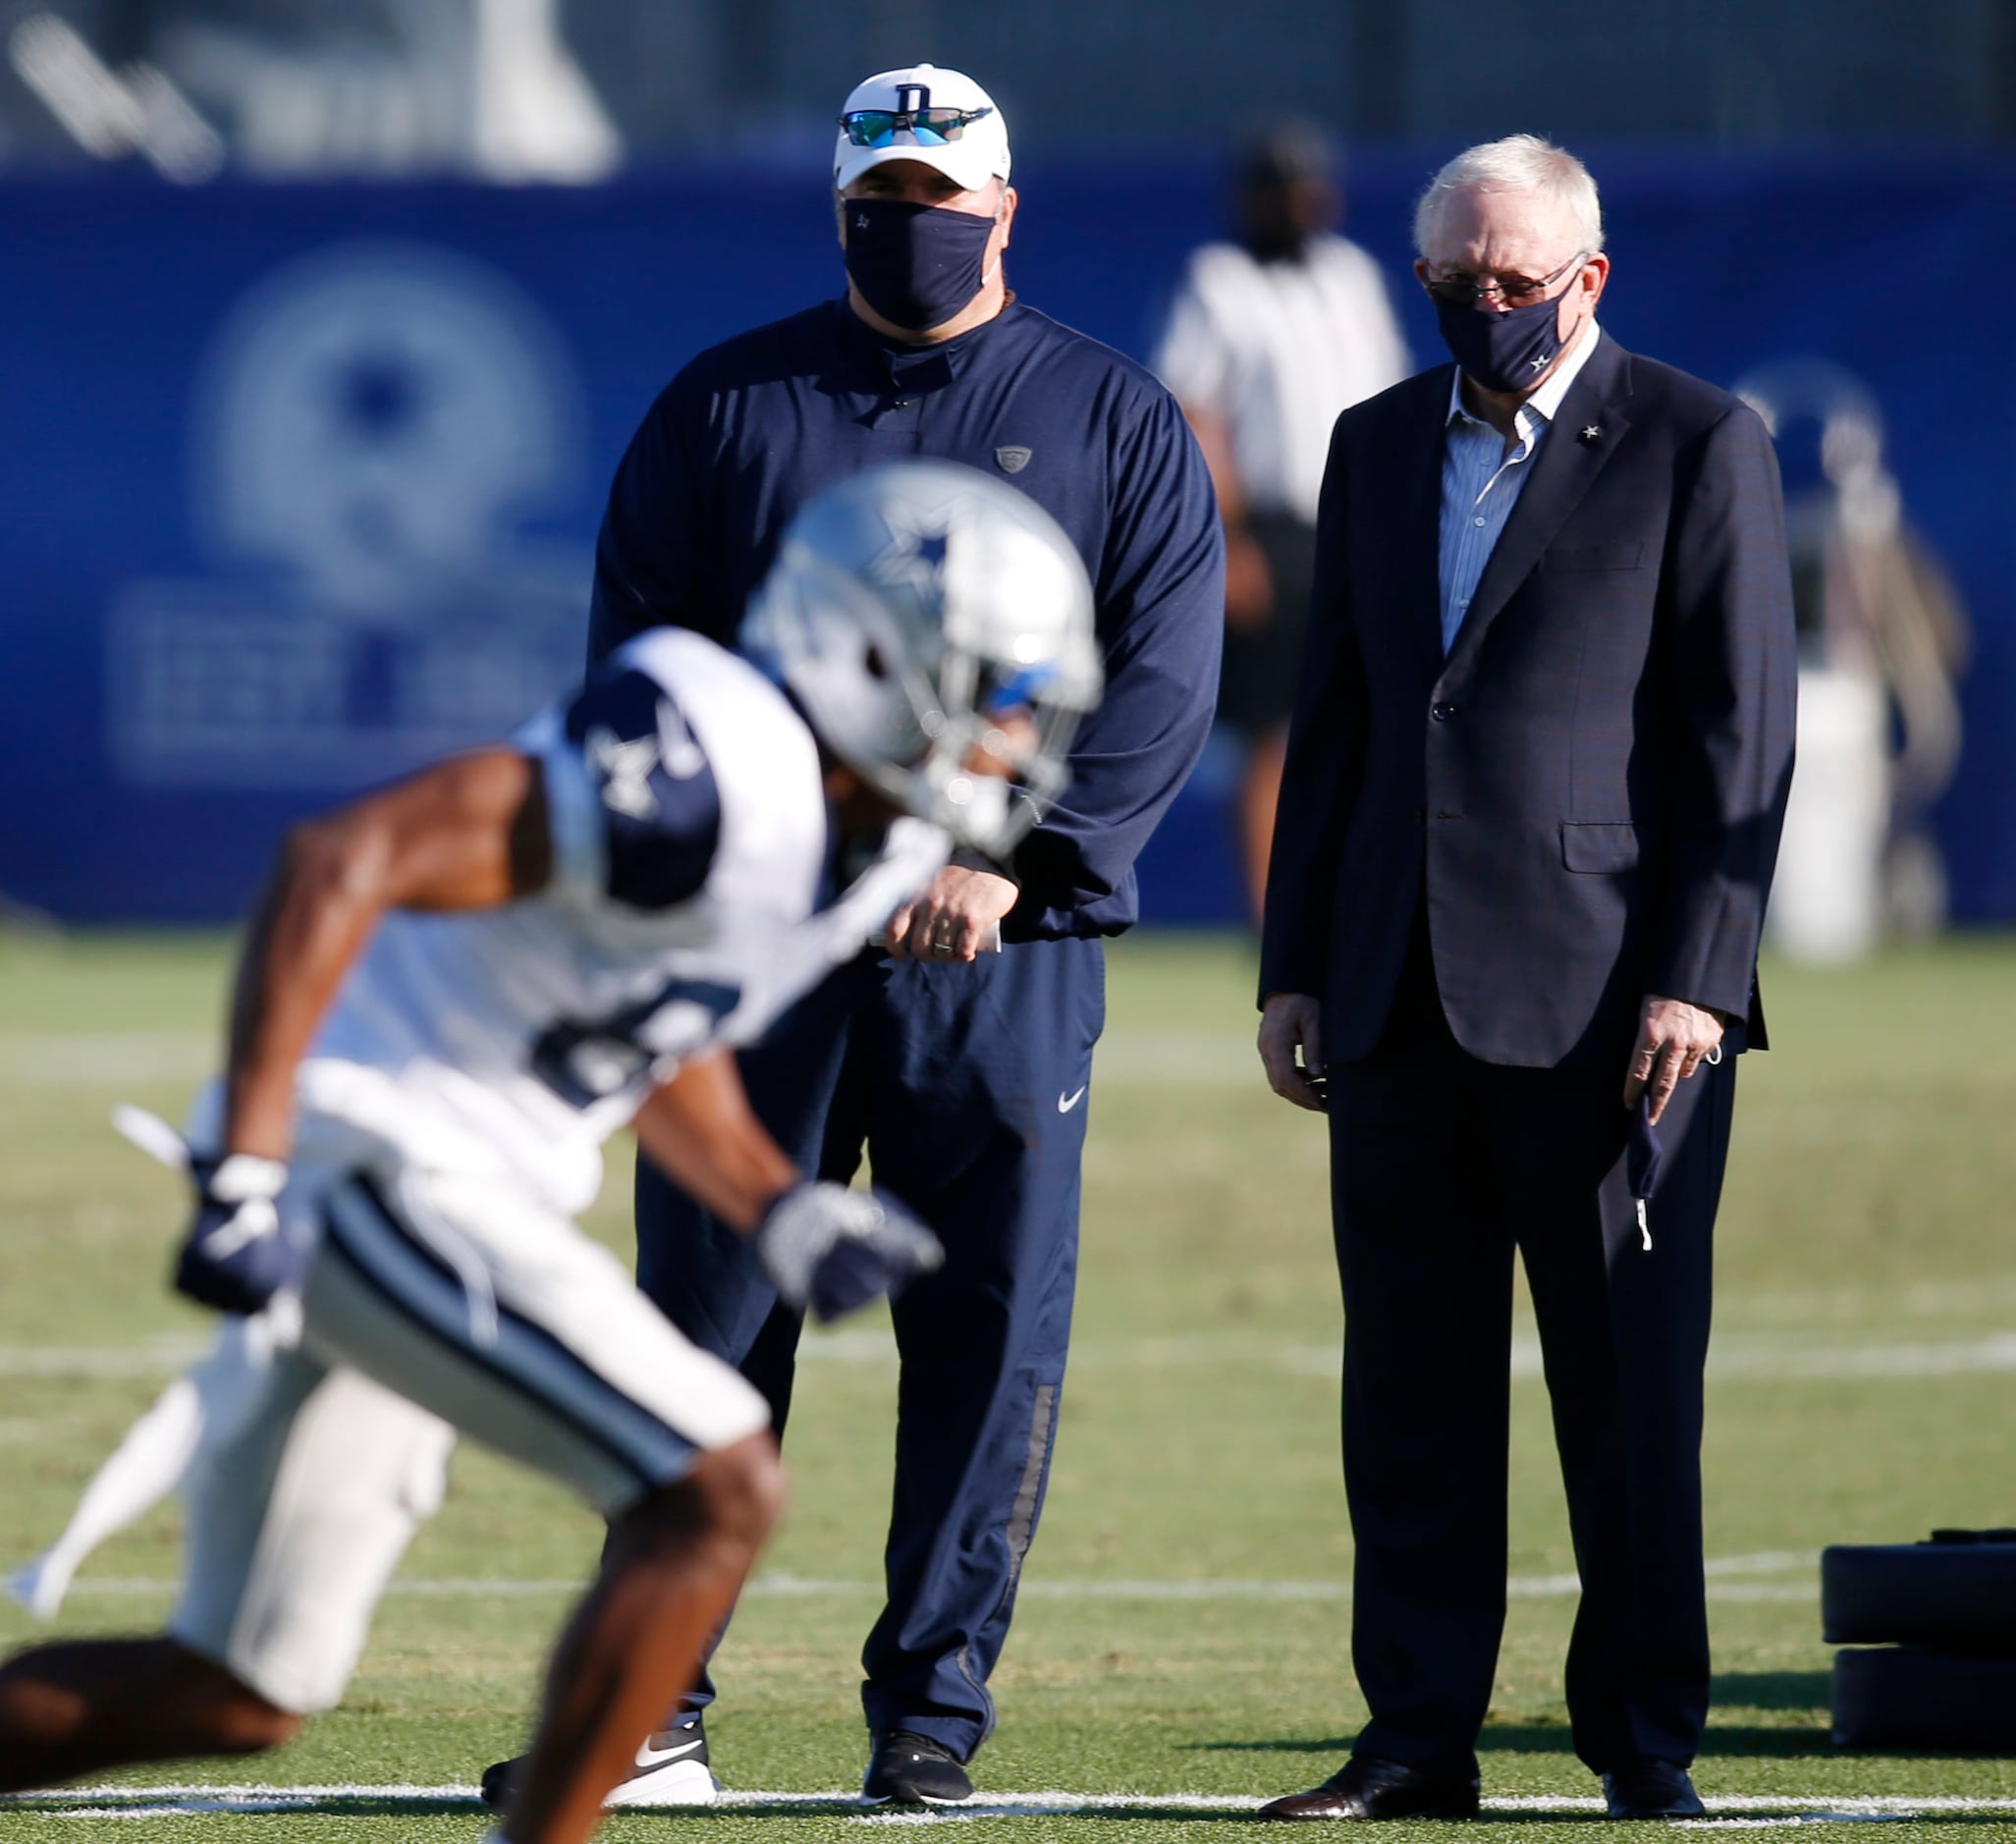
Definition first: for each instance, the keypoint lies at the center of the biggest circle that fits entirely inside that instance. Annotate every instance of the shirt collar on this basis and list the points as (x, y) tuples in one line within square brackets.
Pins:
[(1545, 403), (914, 368)]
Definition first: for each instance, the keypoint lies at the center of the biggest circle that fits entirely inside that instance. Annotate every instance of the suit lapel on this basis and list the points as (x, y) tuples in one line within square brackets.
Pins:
[(1563, 472)]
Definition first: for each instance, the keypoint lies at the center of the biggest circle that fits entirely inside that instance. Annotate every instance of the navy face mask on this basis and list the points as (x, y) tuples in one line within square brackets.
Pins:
[(1506, 352), (917, 266)]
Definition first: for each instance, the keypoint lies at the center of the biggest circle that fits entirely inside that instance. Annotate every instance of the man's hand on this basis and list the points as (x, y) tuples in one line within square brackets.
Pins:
[(1291, 1021), (950, 920), (834, 1249), (235, 1257), (1673, 1038)]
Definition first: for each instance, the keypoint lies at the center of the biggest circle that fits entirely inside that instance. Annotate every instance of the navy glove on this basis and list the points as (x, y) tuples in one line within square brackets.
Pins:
[(235, 1257), (831, 1249)]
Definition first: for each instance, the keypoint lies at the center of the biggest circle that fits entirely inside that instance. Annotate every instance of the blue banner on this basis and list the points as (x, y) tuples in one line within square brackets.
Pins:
[(301, 484)]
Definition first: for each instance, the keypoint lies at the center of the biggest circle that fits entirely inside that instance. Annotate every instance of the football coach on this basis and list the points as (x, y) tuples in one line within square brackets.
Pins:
[(963, 1072), (1532, 802)]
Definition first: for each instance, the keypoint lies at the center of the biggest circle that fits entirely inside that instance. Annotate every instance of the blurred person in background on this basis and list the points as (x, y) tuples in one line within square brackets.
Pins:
[(1882, 642), (300, 89), (1532, 802), (1270, 336), (963, 1072)]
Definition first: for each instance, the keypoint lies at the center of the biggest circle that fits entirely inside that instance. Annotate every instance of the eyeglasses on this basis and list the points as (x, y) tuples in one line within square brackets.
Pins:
[(1515, 291), (933, 127)]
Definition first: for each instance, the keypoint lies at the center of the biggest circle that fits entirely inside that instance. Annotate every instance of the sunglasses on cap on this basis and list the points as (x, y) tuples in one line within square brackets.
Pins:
[(933, 127)]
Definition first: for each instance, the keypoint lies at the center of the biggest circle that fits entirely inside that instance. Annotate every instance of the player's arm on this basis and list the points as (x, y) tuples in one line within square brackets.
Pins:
[(468, 833), (822, 1245), (701, 1132)]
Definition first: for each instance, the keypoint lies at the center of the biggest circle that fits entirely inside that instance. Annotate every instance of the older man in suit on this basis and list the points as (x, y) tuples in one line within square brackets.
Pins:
[(1532, 800)]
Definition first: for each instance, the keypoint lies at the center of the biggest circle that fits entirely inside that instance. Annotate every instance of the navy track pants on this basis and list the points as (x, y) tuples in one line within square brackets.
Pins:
[(967, 1088)]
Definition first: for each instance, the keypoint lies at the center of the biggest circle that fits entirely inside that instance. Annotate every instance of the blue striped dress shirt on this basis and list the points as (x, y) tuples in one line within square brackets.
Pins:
[(1482, 480)]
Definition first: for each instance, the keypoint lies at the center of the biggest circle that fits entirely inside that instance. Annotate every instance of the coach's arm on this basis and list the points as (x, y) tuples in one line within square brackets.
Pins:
[(1160, 591), (1732, 676)]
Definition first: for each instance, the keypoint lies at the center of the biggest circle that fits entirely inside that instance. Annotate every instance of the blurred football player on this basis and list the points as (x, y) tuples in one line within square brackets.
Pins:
[(452, 992)]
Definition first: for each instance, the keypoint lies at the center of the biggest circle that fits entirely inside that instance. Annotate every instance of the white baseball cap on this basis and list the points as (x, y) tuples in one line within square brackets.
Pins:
[(977, 152)]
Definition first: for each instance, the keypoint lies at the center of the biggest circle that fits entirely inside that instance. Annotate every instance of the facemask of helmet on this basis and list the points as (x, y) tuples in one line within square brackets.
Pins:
[(932, 624)]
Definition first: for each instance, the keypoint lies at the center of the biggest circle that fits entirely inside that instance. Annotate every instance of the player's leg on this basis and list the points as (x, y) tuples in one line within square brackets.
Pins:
[(985, 1144), (1260, 671), (671, 1570), (1624, 1333), (697, 1270), (472, 1299), (154, 1456), (301, 1503), (699, 1273), (88, 1705)]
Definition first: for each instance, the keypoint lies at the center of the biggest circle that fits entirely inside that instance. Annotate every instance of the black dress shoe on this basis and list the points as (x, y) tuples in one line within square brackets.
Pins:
[(1651, 1789), (1368, 1788), (911, 1770)]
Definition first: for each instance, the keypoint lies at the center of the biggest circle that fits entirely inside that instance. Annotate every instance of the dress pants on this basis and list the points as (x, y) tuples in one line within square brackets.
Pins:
[(1442, 1166), (966, 1085)]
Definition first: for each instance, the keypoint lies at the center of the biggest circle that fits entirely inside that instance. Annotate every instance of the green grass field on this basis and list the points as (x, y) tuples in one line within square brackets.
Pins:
[(1180, 1647)]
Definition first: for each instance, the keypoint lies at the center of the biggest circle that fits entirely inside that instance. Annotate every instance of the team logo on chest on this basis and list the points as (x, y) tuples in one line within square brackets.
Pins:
[(1013, 458)]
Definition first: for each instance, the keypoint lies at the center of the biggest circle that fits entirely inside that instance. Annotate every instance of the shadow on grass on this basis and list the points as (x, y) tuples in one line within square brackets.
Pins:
[(1752, 1741), (1773, 1690), (1807, 1691), (1148, 1808)]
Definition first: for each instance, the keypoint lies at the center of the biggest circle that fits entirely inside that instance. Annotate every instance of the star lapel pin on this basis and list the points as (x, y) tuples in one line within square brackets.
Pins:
[(1592, 433)]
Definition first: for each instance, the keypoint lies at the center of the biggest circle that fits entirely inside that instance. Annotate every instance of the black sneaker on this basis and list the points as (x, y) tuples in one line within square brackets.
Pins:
[(910, 1769), (671, 1771)]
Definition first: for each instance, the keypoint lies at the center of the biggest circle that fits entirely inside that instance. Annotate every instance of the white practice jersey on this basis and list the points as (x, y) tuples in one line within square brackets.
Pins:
[(690, 843), (1278, 349)]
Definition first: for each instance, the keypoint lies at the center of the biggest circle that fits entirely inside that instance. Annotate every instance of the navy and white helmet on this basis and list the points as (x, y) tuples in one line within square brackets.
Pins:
[(910, 608)]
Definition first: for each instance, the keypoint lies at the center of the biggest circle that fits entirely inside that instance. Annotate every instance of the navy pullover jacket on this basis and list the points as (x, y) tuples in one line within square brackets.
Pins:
[(749, 430)]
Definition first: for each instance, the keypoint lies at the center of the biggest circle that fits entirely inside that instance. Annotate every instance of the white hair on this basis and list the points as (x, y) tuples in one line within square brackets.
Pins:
[(1520, 163)]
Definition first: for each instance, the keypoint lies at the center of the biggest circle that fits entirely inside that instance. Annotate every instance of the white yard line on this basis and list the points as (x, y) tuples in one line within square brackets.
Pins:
[(105, 1059), (144, 1357), (1758, 1358), (1721, 1572), (1738, 1358), (1742, 1811), (1162, 1058)]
